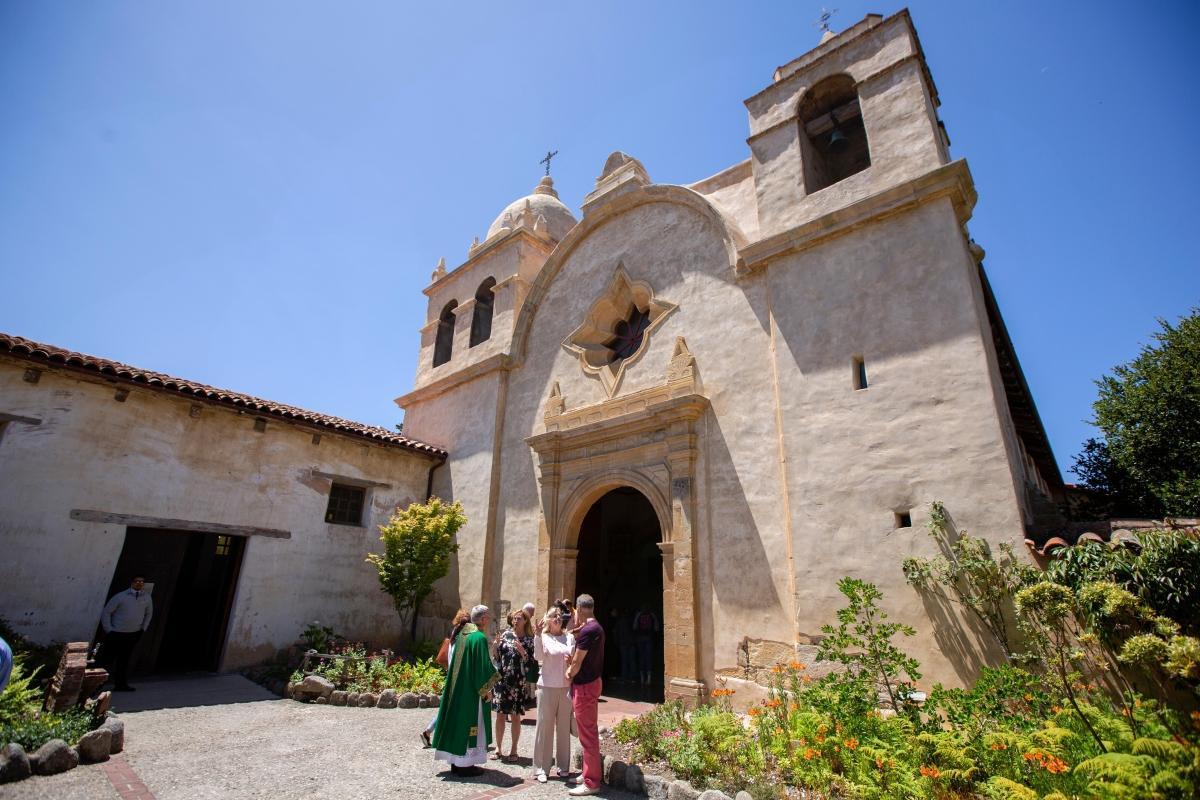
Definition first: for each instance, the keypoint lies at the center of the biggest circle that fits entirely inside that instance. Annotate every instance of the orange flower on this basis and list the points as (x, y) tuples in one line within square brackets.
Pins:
[(1030, 756), (778, 668), (1028, 698), (773, 703), (810, 754), (879, 763), (807, 678), (796, 665), (820, 738), (754, 711), (1056, 709), (999, 746), (1055, 765), (930, 771), (851, 743), (794, 706), (723, 692)]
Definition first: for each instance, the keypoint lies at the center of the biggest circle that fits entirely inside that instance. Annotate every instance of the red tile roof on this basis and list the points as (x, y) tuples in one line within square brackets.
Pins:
[(113, 370)]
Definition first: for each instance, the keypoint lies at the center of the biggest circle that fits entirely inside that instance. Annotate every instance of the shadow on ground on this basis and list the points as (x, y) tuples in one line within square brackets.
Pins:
[(185, 691)]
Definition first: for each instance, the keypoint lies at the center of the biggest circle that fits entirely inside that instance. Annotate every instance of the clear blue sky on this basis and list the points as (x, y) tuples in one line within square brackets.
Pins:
[(253, 194)]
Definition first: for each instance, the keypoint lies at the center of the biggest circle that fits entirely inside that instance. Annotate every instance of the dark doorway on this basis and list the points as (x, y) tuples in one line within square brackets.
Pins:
[(192, 577), (620, 565)]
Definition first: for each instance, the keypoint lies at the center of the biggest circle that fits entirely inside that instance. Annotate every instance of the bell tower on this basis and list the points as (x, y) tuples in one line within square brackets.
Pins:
[(851, 118)]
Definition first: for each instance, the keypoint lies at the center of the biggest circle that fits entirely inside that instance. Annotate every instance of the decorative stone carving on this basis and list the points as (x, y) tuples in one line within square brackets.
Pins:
[(622, 173), (555, 404), (624, 303), (439, 272)]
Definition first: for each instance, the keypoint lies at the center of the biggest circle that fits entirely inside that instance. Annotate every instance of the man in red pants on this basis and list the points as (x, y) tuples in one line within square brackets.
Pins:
[(584, 674)]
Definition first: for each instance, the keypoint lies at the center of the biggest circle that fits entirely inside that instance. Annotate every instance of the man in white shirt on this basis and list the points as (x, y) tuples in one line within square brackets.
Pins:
[(125, 618)]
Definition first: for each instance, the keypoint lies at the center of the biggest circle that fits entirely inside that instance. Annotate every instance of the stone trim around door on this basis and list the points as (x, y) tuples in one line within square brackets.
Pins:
[(646, 441)]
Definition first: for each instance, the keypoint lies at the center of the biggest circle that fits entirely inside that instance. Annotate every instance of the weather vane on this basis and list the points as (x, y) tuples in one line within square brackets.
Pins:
[(822, 22), (546, 160)]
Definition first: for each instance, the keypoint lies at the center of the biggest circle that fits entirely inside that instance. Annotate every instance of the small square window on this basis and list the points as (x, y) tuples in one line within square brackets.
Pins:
[(223, 545), (903, 519), (345, 504)]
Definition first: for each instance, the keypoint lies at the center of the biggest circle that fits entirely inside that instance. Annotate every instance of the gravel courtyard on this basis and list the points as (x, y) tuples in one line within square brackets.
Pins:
[(228, 738)]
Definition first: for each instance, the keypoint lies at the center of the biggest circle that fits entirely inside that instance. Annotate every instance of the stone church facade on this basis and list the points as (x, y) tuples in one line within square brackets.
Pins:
[(755, 384)]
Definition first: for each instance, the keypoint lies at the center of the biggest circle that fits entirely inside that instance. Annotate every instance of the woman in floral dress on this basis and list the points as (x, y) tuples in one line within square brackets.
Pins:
[(514, 656)]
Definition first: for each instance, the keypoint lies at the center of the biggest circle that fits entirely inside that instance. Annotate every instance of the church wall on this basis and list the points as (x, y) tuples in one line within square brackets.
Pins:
[(739, 525), (460, 420), (903, 294), (148, 456)]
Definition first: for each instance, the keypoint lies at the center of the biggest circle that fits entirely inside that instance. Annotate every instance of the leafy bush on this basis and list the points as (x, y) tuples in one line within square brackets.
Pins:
[(356, 671), (33, 731), (21, 697)]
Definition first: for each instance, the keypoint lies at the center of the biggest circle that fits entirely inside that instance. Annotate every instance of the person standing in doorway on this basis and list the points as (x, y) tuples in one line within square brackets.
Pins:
[(584, 673), (645, 631), (125, 618)]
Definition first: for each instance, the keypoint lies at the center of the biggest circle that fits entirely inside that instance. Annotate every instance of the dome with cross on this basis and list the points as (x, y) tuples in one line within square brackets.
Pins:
[(541, 210)]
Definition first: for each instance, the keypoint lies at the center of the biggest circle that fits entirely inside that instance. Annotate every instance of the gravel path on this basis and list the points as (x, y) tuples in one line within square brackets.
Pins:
[(281, 749)]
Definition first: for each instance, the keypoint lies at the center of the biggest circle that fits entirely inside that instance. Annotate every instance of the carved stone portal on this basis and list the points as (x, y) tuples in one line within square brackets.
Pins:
[(647, 441)]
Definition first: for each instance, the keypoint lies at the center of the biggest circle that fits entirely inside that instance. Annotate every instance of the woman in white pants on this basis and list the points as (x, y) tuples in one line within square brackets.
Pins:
[(552, 648)]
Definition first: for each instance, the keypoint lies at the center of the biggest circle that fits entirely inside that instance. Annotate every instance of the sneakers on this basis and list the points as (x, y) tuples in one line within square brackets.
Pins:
[(541, 776), (425, 738), (581, 790)]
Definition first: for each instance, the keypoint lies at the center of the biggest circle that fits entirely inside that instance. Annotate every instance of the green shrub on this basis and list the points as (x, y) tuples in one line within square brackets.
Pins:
[(21, 697), (34, 731)]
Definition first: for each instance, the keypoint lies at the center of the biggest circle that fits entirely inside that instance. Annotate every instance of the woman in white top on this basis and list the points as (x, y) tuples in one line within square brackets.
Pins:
[(552, 648)]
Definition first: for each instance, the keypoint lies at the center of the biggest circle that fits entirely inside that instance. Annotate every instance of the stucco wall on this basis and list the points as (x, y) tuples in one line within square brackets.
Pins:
[(148, 456)]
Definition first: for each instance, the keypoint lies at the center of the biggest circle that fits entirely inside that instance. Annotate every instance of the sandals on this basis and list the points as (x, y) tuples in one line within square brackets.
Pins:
[(511, 758)]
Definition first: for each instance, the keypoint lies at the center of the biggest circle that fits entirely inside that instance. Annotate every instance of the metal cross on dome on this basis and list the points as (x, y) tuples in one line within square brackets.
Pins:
[(822, 22), (546, 160)]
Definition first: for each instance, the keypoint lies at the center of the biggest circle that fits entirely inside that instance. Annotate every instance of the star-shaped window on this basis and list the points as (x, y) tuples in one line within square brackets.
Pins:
[(617, 329)]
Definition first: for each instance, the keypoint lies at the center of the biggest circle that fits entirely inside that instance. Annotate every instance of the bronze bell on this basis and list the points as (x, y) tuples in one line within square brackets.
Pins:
[(837, 139)]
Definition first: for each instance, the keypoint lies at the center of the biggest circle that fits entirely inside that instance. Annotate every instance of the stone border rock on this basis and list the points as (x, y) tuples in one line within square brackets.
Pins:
[(631, 778), (319, 690), (57, 756)]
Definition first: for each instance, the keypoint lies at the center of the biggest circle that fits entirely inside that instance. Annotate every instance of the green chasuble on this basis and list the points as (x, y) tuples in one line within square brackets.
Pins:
[(468, 681)]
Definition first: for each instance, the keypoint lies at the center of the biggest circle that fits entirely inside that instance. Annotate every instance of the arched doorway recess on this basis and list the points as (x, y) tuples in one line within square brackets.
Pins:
[(621, 566), (647, 441)]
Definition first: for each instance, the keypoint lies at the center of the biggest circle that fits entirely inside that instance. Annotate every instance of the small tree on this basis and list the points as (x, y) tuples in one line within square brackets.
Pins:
[(417, 544), (1149, 413)]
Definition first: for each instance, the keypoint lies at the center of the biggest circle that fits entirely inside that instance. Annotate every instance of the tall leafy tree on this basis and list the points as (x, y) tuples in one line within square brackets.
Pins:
[(418, 542), (1148, 462)]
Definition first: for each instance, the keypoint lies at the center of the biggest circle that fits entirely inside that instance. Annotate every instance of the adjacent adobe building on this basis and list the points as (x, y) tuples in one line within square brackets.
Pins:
[(248, 519), (715, 400)]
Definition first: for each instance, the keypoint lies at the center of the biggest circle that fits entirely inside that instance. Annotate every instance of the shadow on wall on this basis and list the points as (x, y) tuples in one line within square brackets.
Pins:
[(963, 639), (735, 550)]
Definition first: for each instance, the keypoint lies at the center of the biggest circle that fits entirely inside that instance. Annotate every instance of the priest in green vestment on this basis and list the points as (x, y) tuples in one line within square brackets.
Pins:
[(464, 722)]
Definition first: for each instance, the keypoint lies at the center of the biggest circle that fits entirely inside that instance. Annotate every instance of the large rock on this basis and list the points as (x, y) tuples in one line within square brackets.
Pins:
[(387, 698), (95, 746), (117, 728), (635, 781), (53, 757), (614, 772), (338, 698), (367, 700), (422, 701), (322, 701), (14, 764), (743, 795), (656, 787), (408, 700), (713, 794), (435, 700), (682, 790), (312, 687), (352, 699)]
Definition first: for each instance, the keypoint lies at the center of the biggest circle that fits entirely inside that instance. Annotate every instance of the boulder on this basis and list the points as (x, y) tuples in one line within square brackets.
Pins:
[(743, 795), (635, 781), (338, 698), (435, 700), (291, 688), (352, 699), (312, 687), (576, 759), (322, 701), (682, 790), (14, 764), (95, 746), (422, 701), (53, 757), (102, 703), (367, 700), (655, 786), (117, 728), (407, 700), (713, 794), (614, 772), (387, 698)]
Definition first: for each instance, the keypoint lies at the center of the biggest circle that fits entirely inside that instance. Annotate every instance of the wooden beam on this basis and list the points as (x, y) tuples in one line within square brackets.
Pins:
[(136, 521), (346, 479), (18, 418)]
